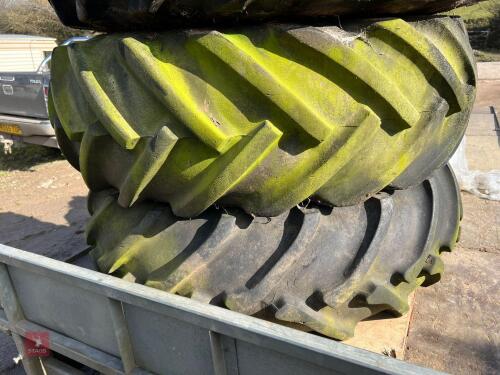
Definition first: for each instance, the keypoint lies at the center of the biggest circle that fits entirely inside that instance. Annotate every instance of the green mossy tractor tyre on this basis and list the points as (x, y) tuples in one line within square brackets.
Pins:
[(113, 15), (320, 267), (263, 118)]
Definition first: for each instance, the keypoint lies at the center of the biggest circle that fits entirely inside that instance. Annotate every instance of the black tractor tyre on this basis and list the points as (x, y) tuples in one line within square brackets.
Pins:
[(323, 268), (70, 149), (263, 118), (128, 15)]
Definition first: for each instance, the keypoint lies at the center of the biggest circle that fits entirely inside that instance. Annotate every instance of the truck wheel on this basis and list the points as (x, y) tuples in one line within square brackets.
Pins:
[(126, 15), (323, 268), (264, 118)]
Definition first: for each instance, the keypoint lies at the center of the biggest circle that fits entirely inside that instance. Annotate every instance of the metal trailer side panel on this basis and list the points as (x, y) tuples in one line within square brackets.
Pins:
[(117, 327)]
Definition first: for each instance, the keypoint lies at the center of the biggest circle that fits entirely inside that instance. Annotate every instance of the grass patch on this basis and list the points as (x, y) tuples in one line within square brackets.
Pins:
[(483, 23), (478, 15)]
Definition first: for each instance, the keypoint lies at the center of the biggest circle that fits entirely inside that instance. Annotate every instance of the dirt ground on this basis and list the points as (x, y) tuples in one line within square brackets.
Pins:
[(43, 210), (453, 326), (455, 323)]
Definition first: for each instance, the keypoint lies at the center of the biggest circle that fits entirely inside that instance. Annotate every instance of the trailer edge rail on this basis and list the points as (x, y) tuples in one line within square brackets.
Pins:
[(118, 327)]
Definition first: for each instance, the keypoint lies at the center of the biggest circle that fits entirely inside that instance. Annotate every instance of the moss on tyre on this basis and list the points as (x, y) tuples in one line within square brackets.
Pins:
[(263, 118), (112, 15), (324, 268)]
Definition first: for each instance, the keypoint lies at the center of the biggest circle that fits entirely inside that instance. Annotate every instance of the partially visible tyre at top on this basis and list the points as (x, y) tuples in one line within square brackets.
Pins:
[(113, 15), (263, 118)]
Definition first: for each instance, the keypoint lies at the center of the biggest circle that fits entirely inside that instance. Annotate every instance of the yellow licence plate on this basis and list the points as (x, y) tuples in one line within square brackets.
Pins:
[(11, 129)]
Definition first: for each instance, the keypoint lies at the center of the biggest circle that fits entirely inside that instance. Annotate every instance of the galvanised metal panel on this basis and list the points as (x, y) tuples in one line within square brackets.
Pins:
[(66, 309), (253, 359), (176, 345), (181, 335)]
